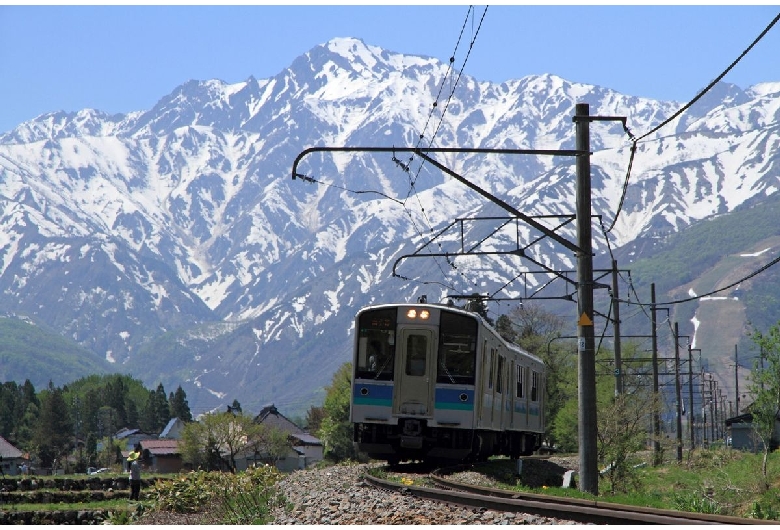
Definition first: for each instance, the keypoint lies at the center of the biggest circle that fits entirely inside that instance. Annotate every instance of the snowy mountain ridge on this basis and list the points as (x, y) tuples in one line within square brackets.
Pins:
[(121, 230)]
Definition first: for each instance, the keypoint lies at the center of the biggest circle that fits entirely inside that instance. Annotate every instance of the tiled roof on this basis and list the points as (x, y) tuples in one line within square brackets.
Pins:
[(7, 450), (161, 447)]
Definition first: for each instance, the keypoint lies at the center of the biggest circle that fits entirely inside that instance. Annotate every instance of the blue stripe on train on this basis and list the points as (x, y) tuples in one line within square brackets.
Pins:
[(371, 394), (454, 399)]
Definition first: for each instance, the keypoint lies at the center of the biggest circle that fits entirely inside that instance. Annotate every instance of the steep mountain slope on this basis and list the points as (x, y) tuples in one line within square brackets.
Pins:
[(174, 243)]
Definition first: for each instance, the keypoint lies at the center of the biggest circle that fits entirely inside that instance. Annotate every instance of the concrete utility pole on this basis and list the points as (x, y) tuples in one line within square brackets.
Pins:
[(656, 415), (691, 409), (736, 377), (586, 344), (616, 328), (677, 390)]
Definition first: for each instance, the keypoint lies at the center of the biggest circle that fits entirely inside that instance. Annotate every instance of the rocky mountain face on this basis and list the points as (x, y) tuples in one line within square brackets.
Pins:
[(174, 243)]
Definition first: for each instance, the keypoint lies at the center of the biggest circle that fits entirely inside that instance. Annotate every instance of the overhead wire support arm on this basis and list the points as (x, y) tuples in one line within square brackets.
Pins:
[(423, 154)]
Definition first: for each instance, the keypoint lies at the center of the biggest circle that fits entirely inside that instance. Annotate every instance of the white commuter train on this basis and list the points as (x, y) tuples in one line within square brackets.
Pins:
[(437, 383)]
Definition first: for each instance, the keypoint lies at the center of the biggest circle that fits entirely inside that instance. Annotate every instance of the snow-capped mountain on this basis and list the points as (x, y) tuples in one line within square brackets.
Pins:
[(175, 243)]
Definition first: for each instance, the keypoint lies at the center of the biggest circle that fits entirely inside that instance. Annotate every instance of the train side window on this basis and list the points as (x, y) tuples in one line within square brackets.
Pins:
[(521, 381), (416, 355), (534, 386), (492, 368), (500, 374), (457, 355)]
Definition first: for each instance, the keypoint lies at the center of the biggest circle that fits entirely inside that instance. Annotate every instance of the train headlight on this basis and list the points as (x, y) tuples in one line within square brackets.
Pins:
[(413, 314)]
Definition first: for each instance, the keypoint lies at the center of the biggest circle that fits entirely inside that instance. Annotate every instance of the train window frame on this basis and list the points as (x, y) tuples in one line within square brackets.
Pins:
[(376, 338), (534, 386), (500, 375), (456, 361), (492, 370), (412, 365), (520, 389)]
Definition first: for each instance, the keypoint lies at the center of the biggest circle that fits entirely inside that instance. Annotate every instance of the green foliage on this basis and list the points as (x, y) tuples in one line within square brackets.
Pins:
[(30, 352), (214, 441), (241, 498), (53, 433), (336, 429), (19, 410), (178, 405), (767, 513), (765, 388), (676, 264), (695, 502), (185, 494)]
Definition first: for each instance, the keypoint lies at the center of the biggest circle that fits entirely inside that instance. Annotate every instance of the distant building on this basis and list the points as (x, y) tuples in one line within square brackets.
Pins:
[(305, 449), (11, 458), (173, 430), (131, 437), (743, 435), (161, 456)]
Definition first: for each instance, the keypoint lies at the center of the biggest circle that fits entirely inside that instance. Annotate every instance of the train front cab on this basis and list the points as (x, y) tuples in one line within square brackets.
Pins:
[(413, 392)]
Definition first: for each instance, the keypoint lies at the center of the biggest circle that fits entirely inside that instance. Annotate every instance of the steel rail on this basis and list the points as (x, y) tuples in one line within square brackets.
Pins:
[(579, 510)]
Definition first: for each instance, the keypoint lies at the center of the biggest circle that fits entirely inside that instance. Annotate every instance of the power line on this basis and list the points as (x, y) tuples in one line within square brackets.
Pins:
[(682, 109)]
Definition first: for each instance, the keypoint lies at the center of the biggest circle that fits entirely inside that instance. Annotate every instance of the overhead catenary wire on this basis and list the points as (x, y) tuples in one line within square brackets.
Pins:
[(635, 140)]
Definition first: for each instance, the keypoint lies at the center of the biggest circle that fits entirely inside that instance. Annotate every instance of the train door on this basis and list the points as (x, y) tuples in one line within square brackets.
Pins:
[(415, 372)]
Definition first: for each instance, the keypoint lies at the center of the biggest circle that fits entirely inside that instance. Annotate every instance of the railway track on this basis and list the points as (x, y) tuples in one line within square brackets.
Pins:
[(579, 510)]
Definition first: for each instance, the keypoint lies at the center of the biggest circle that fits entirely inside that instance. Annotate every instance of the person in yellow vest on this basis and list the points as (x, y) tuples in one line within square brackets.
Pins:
[(135, 475)]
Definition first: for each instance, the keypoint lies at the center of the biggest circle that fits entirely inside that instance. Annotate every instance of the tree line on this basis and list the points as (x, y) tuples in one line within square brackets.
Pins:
[(69, 421)]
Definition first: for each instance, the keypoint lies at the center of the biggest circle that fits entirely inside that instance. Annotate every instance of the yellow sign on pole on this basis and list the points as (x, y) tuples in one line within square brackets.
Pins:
[(584, 320)]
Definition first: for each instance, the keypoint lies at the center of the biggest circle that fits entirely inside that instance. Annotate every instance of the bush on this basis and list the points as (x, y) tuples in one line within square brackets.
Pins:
[(242, 498)]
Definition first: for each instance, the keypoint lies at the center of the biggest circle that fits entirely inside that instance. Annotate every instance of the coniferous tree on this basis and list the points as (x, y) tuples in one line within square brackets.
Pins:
[(53, 434), (148, 418), (178, 405), (163, 413), (132, 413)]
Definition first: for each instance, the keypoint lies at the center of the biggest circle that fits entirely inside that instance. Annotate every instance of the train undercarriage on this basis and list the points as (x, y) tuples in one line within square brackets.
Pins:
[(412, 440)]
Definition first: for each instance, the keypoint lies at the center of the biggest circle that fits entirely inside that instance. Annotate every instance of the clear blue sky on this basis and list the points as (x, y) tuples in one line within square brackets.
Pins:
[(125, 58)]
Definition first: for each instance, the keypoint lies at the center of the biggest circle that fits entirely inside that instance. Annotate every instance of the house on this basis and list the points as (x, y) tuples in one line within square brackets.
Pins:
[(11, 458), (743, 436), (173, 430), (131, 437), (161, 456), (305, 449)]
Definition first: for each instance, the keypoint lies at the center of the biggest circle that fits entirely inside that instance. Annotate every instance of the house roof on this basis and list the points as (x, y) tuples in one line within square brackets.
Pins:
[(307, 439), (161, 447), (168, 428), (7, 450), (272, 417)]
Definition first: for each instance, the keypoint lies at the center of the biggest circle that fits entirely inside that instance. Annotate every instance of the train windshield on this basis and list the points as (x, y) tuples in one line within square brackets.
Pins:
[(457, 349), (376, 345)]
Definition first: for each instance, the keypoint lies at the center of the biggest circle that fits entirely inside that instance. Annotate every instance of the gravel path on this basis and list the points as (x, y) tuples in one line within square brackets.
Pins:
[(338, 495)]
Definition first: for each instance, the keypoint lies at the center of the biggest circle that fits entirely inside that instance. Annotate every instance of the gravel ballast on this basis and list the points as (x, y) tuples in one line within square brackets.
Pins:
[(338, 495)]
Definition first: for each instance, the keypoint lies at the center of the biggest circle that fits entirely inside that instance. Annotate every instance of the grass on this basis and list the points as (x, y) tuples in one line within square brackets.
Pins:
[(721, 481), (115, 504)]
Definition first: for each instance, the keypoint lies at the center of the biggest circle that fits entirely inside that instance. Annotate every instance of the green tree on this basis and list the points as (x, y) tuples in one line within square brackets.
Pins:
[(163, 412), (336, 429), (314, 418), (178, 405), (505, 328), (214, 441), (53, 433), (765, 389)]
